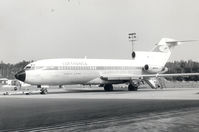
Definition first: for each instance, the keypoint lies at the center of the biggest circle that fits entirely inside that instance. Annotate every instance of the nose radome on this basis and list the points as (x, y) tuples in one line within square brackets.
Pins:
[(21, 75)]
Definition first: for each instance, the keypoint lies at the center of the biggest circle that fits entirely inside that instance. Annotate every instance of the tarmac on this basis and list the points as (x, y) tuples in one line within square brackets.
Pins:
[(98, 93), (92, 109)]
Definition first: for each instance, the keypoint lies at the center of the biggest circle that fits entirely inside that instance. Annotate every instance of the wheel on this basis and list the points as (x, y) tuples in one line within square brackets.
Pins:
[(132, 87), (15, 88), (61, 86), (43, 91), (135, 88), (108, 87)]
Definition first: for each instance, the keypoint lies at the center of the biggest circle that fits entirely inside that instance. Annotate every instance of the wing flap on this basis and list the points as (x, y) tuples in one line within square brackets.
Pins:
[(177, 74), (116, 77), (133, 77)]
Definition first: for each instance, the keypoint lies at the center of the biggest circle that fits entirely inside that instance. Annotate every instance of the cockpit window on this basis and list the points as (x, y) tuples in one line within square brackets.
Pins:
[(29, 67)]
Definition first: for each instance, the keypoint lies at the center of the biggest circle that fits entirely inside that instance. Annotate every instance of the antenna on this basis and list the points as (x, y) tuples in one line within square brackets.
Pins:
[(132, 39)]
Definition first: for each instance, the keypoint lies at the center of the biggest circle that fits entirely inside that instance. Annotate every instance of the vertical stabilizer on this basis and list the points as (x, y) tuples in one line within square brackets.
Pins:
[(166, 45)]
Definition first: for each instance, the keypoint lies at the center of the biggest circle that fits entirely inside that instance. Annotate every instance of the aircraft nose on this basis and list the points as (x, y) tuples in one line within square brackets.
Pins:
[(21, 75)]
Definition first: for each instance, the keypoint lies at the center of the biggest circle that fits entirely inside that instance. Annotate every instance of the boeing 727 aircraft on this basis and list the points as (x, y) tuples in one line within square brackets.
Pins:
[(145, 66)]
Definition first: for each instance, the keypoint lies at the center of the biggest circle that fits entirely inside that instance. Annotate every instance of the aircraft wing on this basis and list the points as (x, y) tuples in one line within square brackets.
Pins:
[(133, 77)]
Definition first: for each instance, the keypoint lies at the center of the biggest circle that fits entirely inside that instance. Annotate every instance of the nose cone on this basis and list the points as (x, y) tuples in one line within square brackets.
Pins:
[(21, 75)]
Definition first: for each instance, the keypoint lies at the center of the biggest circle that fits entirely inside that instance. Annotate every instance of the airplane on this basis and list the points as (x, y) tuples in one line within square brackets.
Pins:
[(146, 66)]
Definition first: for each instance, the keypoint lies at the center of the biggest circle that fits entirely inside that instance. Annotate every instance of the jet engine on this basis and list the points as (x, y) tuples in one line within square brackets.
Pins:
[(153, 69), (133, 54)]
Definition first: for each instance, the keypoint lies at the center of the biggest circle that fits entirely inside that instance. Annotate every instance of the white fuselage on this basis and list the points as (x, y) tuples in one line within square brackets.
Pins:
[(89, 71)]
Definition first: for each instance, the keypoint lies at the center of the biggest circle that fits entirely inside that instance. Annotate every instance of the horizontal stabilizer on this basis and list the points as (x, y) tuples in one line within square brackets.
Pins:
[(176, 42)]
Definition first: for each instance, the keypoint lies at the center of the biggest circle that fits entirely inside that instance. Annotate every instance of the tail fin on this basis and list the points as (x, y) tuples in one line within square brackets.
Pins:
[(165, 47), (167, 44)]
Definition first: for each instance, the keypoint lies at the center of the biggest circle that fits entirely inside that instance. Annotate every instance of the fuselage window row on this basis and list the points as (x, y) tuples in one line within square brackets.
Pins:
[(81, 68)]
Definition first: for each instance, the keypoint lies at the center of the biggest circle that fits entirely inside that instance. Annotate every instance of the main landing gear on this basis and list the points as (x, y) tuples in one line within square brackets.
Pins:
[(132, 87), (108, 87)]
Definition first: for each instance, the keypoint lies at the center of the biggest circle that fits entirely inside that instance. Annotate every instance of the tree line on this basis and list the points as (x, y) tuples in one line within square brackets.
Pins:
[(183, 67), (8, 70)]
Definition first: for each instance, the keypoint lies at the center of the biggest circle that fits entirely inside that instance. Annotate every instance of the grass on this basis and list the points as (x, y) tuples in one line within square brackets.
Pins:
[(182, 84)]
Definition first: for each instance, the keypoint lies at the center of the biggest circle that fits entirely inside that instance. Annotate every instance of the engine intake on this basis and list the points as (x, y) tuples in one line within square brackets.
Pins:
[(146, 67), (133, 54), (154, 69)]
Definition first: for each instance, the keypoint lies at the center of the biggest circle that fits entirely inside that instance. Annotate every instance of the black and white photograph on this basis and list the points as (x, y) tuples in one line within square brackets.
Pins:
[(99, 65)]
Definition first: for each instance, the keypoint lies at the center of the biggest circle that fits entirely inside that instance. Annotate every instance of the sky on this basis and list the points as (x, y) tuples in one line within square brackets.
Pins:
[(43, 29)]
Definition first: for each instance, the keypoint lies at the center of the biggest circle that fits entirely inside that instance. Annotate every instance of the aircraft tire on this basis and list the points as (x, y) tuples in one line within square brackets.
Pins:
[(15, 88), (132, 87), (108, 87)]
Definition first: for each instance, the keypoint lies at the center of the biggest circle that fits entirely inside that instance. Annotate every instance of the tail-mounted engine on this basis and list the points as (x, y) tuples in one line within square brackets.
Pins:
[(153, 69)]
